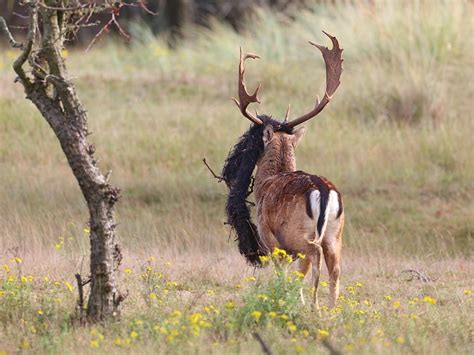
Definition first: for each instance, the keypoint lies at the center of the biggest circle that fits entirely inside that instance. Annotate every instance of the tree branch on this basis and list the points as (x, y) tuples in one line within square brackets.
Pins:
[(11, 39), (26, 49)]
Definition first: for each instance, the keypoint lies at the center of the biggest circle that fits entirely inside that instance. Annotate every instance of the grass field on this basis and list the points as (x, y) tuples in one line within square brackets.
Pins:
[(396, 139)]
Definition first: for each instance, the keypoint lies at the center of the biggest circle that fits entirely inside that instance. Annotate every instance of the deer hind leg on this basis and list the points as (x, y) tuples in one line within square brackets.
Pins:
[(332, 255), (316, 261), (304, 265)]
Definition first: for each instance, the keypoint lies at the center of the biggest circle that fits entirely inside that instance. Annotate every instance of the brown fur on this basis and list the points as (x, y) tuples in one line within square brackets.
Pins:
[(282, 214)]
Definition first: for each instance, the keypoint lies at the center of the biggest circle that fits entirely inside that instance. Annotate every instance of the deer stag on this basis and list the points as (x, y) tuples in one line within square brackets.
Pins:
[(296, 211)]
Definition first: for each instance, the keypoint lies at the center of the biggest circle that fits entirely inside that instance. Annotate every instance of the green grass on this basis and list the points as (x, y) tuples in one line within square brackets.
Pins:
[(396, 140)]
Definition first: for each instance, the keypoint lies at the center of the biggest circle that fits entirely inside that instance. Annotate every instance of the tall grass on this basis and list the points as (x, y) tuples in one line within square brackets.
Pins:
[(396, 139)]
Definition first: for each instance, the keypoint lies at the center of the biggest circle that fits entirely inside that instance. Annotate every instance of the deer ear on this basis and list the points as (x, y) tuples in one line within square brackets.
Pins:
[(267, 134), (297, 135)]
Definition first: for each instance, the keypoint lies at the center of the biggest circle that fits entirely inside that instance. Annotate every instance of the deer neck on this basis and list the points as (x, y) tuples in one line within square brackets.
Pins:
[(276, 159)]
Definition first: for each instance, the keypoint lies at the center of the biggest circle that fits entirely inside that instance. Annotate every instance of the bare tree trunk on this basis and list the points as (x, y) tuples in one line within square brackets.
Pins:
[(53, 93)]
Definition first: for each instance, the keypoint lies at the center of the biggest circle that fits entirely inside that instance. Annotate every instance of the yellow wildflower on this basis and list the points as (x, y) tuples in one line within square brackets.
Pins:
[(262, 297), (18, 260), (64, 53), (94, 344), (152, 296), (467, 292), (306, 333), (323, 283), (299, 348), (350, 289), (118, 341), (387, 297), (279, 252), (272, 314), (291, 327), (301, 256), (230, 305), (349, 348), (86, 230), (24, 279), (323, 334), (160, 329), (299, 275), (250, 278), (284, 317), (127, 271), (429, 300), (264, 259), (25, 344), (176, 313), (6, 268), (256, 315), (40, 312), (133, 334), (400, 340), (69, 286), (396, 304)]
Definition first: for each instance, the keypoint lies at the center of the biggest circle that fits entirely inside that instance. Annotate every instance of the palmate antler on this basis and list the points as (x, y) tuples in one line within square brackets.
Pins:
[(333, 60), (245, 98)]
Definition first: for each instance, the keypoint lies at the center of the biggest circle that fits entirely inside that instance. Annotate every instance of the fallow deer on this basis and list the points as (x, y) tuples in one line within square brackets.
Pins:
[(296, 211)]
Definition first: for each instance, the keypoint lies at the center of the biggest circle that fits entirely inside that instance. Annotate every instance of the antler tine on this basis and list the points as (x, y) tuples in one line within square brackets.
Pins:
[(287, 114), (245, 98), (333, 60)]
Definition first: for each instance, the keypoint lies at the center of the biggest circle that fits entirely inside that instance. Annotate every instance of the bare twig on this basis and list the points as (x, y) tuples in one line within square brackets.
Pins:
[(330, 347), (221, 178), (142, 5), (80, 301), (416, 275), (25, 49), (218, 177), (102, 30), (265, 348), (11, 39), (20, 15)]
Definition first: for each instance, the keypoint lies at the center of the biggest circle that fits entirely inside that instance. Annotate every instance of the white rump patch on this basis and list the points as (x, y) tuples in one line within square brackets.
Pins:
[(331, 211), (333, 204)]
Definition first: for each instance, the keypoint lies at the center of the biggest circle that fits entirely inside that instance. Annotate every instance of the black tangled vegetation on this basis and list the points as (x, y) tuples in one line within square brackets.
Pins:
[(237, 173)]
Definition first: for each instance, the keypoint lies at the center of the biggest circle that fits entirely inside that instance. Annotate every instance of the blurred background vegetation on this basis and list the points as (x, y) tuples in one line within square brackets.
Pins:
[(174, 17)]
